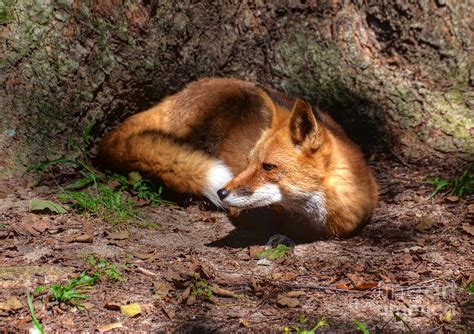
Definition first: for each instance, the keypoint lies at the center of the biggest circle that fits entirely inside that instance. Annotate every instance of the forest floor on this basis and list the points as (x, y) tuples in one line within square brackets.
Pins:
[(413, 260)]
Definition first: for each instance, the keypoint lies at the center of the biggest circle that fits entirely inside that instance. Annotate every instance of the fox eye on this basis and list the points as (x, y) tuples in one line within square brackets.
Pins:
[(268, 167)]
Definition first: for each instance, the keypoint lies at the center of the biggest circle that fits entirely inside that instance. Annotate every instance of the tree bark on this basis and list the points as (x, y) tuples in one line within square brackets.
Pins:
[(393, 73)]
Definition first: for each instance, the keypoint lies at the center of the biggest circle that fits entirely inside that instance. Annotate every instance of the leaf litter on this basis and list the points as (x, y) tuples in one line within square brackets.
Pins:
[(197, 270)]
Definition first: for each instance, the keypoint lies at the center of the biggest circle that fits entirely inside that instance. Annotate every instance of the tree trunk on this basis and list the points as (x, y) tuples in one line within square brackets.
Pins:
[(396, 73)]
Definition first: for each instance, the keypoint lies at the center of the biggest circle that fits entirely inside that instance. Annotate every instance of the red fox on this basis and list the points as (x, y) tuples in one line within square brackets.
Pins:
[(243, 146)]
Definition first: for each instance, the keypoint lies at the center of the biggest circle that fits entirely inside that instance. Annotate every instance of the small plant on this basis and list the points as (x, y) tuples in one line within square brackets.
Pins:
[(103, 268), (201, 288), (321, 323), (145, 189), (362, 327), (470, 289), (274, 253), (71, 292), (395, 317), (90, 193), (36, 324), (101, 201), (460, 186)]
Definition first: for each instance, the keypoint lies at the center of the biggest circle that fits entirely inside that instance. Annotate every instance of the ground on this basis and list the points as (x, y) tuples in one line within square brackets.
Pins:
[(414, 259)]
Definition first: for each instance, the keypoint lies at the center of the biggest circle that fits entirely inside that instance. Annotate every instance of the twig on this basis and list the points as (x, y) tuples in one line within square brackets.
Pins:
[(316, 287), (330, 288), (403, 162), (147, 272)]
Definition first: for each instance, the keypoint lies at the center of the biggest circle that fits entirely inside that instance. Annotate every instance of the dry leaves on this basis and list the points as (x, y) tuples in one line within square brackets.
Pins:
[(469, 229), (130, 310), (109, 327), (11, 304), (289, 299)]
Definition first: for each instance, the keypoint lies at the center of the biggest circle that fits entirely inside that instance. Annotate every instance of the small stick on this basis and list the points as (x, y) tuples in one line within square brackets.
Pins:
[(147, 272), (317, 287)]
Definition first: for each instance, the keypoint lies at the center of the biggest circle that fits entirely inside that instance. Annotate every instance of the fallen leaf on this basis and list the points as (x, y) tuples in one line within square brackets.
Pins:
[(254, 251), (385, 278), (360, 282), (169, 311), (366, 286), (468, 228), (186, 293), (287, 301), (264, 262), (191, 300), (425, 224), (109, 327), (161, 288), (87, 306), (244, 322), (119, 235), (343, 286), (256, 288), (175, 278), (11, 304), (87, 238), (355, 279), (452, 199), (113, 306), (130, 310), (41, 205), (448, 317)]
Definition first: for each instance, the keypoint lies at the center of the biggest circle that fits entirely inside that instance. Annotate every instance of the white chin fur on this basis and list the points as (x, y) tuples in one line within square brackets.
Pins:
[(265, 195), (311, 204), (217, 177)]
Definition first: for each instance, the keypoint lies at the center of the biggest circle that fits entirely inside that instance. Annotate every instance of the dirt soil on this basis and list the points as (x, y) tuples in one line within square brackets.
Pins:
[(413, 259)]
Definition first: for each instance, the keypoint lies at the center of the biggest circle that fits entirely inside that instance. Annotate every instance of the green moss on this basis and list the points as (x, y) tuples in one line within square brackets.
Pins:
[(7, 11), (450, 115)]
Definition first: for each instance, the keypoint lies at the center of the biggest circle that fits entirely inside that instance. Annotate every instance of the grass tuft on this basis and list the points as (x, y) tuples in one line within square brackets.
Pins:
[(103, 268), (460, 186), (92, 194), (71, 292), (274, 253)]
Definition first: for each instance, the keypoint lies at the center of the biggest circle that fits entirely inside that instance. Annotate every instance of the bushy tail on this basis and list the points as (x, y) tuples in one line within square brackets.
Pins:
[(159, 157)]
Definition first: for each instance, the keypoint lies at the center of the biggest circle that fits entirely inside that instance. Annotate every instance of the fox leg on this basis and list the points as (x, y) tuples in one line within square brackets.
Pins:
[(157, 156)]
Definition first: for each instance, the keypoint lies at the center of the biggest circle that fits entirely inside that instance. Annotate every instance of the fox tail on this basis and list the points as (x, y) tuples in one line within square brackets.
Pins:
[(159, 157)]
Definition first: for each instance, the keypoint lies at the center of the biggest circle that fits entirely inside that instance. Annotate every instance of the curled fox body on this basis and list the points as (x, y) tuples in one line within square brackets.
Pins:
[(245, 147)]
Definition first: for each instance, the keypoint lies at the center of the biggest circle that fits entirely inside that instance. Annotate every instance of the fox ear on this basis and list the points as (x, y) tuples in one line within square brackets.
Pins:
[(268, 106), (304, 128)]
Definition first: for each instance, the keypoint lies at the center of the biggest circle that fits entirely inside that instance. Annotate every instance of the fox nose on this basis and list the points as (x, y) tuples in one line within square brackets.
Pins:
[(222, 193)]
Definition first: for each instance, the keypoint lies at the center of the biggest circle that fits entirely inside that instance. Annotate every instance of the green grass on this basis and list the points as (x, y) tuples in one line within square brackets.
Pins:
[(91, 193), (103, 268), (36, 324), (460, 186), (71, 292), (362, 327), (470, 289), (274, 253), (201, 288), (102, 202), (295, 329)]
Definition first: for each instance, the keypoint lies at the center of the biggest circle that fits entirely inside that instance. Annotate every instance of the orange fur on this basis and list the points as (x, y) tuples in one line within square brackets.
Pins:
[(217, 121)]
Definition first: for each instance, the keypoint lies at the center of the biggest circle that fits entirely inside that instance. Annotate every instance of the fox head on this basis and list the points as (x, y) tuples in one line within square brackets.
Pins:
[(287, 164)]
